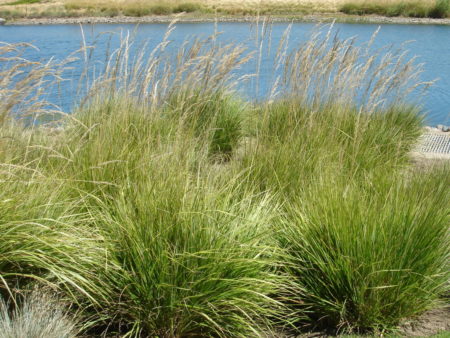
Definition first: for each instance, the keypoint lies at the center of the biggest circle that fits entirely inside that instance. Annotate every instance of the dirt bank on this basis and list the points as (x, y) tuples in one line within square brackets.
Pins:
[(210, 18)]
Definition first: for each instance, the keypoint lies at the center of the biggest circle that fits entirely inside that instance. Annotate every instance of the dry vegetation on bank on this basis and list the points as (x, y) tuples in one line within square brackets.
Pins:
[(11, 9), (417, 9), (33, 8)]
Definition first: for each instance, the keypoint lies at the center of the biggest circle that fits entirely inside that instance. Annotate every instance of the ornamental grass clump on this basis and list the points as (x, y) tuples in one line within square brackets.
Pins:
[(370, 253), (296, 145), (194, 255), (191, 256), (193, 260), (43, 230), (137, 105), (366, 238), (165, 206), (217, 118), (341, 107), (42, 225)]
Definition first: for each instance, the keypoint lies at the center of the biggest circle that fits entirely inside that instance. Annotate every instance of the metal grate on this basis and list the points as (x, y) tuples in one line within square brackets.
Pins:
[(434, 143)]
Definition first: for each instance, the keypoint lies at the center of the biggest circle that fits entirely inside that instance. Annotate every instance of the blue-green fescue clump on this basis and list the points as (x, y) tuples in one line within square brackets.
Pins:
[(36, 315)]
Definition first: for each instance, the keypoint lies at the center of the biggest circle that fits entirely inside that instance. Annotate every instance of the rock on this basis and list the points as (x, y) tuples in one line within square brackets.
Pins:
[(432, 130), (2, 21), (443, 128)]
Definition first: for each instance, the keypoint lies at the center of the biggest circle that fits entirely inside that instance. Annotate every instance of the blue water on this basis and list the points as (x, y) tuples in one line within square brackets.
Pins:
[(430, 43)]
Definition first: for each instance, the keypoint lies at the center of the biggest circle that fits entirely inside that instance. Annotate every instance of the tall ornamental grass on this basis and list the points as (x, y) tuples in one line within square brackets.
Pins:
[(192, 262), (369, 253), (338, 107), (193, 258), (166, 206), (366, 239), (295, 146), (46, 238)]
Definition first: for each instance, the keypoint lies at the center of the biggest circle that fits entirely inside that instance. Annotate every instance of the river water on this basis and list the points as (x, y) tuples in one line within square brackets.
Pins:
[(429, 43)]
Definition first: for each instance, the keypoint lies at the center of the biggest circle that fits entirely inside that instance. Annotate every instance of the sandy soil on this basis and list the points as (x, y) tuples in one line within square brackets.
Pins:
[(428, 324)]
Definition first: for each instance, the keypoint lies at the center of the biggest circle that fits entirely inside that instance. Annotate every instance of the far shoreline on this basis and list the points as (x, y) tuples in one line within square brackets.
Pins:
[(190, 18)]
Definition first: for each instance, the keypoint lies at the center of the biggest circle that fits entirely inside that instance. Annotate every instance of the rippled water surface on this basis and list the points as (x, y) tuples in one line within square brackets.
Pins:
[(430, 43)]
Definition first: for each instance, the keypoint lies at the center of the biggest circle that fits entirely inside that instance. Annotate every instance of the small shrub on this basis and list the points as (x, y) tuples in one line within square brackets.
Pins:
[(350, 8), (23, 2), (136, 11), (187, 7), (395, 10), (8, 14), (161, 10), (441, 9), (110, 11)]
